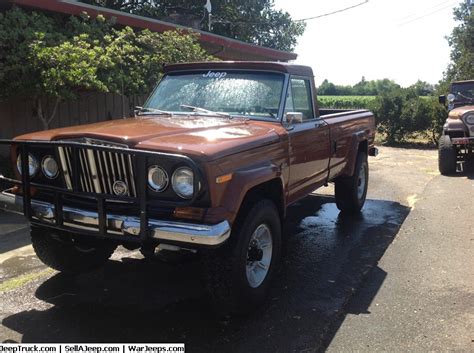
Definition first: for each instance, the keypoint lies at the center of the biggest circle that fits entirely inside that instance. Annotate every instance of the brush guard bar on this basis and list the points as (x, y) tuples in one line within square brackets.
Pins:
[(142, 228)]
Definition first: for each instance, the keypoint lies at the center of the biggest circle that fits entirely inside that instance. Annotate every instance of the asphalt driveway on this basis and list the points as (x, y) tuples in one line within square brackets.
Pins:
[(342, 285)]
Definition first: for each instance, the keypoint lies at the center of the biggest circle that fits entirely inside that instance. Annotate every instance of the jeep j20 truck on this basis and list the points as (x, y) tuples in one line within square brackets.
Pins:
[(210, 164), (457, 140)]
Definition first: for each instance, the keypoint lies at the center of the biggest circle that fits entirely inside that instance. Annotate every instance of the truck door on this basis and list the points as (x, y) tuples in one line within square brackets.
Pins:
[(309, 146)]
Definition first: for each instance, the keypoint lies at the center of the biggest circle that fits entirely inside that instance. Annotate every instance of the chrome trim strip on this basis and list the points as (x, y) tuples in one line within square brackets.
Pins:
[(199, 234), (94, 174), (130, 166), (65, 168)]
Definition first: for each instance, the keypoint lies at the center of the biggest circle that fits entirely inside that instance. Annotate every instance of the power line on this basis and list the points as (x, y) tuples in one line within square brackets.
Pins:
[(333, 12), (427, 14), (417, 11)]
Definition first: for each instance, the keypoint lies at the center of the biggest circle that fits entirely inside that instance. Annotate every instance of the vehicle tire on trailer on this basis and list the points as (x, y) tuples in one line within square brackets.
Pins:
[(70, 255), (447, 156), (238, 275), (351, 192)]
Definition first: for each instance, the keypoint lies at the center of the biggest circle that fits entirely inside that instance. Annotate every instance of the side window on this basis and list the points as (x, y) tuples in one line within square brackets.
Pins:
[(300, 90)]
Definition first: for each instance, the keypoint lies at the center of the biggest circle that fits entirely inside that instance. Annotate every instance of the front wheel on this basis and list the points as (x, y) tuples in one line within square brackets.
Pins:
[(351, 192), (70, 255), (447, 156), (238, 276)]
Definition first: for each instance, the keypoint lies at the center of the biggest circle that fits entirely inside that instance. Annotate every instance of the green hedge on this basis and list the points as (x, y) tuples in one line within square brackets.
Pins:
[(399, 114)]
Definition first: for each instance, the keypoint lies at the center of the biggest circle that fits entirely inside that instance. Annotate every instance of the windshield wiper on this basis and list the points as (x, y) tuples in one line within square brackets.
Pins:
[(465, 97), (202, 110), (145, 110)]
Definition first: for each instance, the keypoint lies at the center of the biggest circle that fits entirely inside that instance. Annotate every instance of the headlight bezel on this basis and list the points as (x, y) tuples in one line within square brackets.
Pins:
[(469, 118), (174, 182), (31, 158), (150, 182), (43, 168)]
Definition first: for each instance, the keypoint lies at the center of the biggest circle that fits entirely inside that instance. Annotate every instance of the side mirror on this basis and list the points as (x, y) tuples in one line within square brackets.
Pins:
[(294, 117), (442, 99), (451, 98)]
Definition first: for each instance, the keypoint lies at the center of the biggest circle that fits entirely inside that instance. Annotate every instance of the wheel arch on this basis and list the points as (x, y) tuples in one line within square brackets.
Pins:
[(360, 143)]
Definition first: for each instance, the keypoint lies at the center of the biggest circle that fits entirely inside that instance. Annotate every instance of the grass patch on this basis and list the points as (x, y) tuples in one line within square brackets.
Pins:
[(19, 281)]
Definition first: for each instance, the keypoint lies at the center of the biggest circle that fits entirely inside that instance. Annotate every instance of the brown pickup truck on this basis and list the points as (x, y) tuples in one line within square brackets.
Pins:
[(457, 140), (208, 165)]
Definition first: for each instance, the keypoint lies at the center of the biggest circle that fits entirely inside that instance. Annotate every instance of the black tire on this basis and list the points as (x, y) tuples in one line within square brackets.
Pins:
[(349, 199), (70, 255), (447, 156), (225, 270)]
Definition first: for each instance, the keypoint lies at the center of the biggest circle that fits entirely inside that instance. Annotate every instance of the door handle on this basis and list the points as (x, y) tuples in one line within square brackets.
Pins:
[(319, 124)]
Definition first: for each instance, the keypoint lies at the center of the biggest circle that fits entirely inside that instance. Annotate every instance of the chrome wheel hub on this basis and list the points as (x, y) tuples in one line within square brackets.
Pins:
[(259, 255)]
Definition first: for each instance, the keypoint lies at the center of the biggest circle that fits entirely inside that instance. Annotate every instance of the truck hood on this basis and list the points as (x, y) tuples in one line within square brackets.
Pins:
[(201, 136)]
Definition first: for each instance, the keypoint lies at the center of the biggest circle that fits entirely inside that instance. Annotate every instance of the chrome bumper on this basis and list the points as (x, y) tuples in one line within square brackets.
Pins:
[(462, 140), (186, 233)]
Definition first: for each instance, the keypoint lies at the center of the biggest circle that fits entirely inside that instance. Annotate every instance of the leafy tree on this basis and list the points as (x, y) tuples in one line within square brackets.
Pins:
[(422, 88), (461, 42), (63, 69), (43, 56), (327, 89), (362, 88), (254, 21)]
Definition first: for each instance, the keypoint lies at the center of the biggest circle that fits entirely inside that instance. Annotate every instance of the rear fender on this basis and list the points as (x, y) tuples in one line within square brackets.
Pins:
[(358, 138)]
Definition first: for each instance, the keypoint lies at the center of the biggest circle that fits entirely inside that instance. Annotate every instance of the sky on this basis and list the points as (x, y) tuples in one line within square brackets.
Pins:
[(403, 40)]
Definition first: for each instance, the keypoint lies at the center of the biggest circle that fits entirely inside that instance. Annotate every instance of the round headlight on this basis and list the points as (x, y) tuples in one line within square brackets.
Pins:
[(157, 178), (33, 165), (183, 182), (469, 119), (50, 168)]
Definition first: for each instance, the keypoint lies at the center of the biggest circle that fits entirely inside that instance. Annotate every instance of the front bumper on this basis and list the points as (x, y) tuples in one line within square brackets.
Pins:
[(462, 141), (162, 231)]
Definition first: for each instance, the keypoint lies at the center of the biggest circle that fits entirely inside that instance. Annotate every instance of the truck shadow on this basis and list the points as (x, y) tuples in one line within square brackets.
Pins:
[(465, 169), (327, 255)]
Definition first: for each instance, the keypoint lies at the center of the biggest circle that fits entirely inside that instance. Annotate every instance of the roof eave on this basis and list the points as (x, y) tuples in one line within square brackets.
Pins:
[(76, 8)]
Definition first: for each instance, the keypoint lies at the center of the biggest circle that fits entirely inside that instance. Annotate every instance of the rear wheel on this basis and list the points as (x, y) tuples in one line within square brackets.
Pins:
[(238, 276), (447, 156), (351, 192), (71, 255)]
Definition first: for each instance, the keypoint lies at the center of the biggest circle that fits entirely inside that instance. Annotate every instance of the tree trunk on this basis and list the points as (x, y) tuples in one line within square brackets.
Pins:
[(46, 121)]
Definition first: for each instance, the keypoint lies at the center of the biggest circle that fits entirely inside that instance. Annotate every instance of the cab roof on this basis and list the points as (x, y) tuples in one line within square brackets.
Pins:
[(464, 81), (292, 69)]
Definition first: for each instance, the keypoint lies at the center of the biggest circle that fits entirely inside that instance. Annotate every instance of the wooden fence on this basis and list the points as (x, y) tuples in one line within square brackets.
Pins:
[(17, 115)]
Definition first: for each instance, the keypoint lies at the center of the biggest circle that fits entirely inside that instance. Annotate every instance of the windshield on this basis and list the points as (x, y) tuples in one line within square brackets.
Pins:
[(248, 94), (463, 91)]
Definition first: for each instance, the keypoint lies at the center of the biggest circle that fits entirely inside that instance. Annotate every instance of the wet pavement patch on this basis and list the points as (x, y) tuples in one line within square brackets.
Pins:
[(326, 256)]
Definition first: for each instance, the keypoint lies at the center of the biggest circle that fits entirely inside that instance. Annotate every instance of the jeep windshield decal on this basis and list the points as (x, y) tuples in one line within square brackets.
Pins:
[(217, 75), (254, 95)]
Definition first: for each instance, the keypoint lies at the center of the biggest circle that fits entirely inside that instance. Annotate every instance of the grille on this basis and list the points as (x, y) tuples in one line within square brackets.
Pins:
[(98, 170)]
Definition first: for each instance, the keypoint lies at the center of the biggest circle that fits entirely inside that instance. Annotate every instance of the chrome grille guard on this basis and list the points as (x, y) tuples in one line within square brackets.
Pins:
[(73, 153)]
